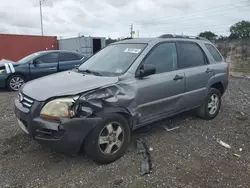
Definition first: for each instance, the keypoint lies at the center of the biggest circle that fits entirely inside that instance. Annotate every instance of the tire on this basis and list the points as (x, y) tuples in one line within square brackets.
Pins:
[(98, 151), (205, 110), (15, 78)]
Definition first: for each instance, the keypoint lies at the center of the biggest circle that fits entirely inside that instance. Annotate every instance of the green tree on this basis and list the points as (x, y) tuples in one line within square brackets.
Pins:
[(109, 41), (240, 30), (221, 37), (208, 34)]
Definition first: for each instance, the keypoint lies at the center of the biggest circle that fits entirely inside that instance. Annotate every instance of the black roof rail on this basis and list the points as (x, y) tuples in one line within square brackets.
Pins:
[(182, 36)]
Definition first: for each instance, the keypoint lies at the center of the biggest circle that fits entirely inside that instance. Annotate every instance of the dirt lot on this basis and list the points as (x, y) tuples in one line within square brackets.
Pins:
[(186, 157)]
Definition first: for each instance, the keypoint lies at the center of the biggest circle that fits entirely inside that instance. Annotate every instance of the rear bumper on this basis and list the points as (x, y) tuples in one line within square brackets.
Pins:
[(66, 135)]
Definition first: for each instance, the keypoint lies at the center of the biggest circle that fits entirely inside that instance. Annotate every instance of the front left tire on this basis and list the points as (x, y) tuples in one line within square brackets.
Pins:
[(15, 82), (109, 139)]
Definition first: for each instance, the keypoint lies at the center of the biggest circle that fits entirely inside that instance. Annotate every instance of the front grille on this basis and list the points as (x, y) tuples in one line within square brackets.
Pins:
[(25, 100)]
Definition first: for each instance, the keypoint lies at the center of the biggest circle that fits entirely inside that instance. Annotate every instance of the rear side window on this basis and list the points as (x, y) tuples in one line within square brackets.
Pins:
[(217, 57), (190, 55), (48, 58), (163, 58), (67, 57)]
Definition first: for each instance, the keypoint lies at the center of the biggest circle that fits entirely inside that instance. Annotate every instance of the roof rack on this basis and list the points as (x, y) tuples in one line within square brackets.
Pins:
[(182, 36)]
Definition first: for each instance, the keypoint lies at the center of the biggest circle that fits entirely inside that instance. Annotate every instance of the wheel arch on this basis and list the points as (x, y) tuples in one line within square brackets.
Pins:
[(119, 110), (219, 86), (14, 74)]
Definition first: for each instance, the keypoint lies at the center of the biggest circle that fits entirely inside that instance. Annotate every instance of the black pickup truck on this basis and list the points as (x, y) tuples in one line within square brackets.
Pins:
[(14, 75)]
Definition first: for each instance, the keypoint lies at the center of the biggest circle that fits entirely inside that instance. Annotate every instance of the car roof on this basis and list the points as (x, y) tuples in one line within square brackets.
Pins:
[(157, 40), (60, 51)]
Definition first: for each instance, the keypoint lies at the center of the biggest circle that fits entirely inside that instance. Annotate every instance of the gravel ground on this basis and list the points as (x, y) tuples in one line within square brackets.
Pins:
[(187, 157)]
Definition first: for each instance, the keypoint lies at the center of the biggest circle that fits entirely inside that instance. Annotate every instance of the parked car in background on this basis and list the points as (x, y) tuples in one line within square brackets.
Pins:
[(14, 75), (127, 85)]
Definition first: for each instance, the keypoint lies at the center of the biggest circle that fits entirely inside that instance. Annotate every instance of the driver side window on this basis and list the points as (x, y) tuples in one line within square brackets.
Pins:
[(48, 58), (163, 58)]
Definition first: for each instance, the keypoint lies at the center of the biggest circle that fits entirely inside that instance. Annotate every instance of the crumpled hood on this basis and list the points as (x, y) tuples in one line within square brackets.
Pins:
[(64, 83)]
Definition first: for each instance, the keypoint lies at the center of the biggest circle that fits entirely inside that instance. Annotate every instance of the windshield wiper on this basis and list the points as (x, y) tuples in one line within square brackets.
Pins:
[(90, 72)]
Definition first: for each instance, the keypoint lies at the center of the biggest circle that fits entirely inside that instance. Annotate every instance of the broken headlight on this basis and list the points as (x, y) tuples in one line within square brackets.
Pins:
[(60, 108)]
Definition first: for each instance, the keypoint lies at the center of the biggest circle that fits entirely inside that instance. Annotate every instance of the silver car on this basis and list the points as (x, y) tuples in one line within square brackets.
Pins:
[(127, 85)]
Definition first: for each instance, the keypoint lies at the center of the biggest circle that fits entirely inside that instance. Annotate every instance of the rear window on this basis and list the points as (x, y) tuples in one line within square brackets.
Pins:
[(212, 50)]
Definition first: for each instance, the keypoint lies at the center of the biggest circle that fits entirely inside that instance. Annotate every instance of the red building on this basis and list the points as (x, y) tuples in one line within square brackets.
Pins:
[(15, 47)]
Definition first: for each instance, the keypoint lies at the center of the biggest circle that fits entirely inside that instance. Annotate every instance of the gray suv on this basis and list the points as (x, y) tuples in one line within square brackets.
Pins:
[(127, 85)]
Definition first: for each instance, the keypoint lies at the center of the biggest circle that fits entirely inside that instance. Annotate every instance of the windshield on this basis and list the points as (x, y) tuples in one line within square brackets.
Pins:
[(113, 60), (28, 58)]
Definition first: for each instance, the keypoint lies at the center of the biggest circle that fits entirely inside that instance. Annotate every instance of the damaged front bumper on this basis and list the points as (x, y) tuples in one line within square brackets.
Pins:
[(66, 135)]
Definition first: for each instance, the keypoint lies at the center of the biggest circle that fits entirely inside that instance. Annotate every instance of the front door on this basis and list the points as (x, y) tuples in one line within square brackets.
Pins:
[(161, 93), (44, 65)]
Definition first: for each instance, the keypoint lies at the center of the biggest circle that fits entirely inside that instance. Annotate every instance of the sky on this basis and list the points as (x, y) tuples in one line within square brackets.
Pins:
[(113, 18)]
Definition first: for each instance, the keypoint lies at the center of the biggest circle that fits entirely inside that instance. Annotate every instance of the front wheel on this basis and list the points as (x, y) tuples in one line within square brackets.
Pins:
[(15, 82), (211, 106), (109, 139)]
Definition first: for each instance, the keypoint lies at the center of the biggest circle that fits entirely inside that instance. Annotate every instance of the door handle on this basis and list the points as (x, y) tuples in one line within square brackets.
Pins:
[(52, 68), (77, 65), (209, 70), (178, 77)]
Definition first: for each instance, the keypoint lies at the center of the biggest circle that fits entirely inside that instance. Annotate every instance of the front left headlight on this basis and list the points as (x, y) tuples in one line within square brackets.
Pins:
[(60, 108)]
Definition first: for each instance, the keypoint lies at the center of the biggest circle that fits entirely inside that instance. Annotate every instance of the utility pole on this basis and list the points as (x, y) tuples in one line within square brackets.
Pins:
[(138, 33), (41, 16), (131, 30)]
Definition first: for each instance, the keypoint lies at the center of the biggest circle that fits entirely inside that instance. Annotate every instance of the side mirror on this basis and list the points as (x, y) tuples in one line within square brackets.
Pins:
[(35, 62), (146, 70)]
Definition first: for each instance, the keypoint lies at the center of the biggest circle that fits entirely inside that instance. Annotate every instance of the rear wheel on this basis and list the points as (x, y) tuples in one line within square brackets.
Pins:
[(211, 106), (109, 139), (15, 82)]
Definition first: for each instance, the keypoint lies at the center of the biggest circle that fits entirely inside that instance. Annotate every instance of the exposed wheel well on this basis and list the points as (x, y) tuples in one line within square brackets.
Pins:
[(125, 113), (128, 117), (219, 86)]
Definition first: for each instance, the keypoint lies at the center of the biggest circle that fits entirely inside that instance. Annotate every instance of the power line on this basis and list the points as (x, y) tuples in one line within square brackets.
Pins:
[(202, 10), (167, 21)]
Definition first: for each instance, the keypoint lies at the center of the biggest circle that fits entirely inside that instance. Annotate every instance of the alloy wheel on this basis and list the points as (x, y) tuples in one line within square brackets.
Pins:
[(16, 82), (213, 104), (111, 138)]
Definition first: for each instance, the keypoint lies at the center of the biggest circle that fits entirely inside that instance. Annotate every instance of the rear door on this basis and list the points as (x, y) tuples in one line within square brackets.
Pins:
[(69, 61), (44, 65), (194, 63), (159, 94)]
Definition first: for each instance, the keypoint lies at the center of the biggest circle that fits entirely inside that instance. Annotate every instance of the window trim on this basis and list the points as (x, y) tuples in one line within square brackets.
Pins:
[(47, 54), (195, 43), (67, 54), (151, 50), (216, 51)]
